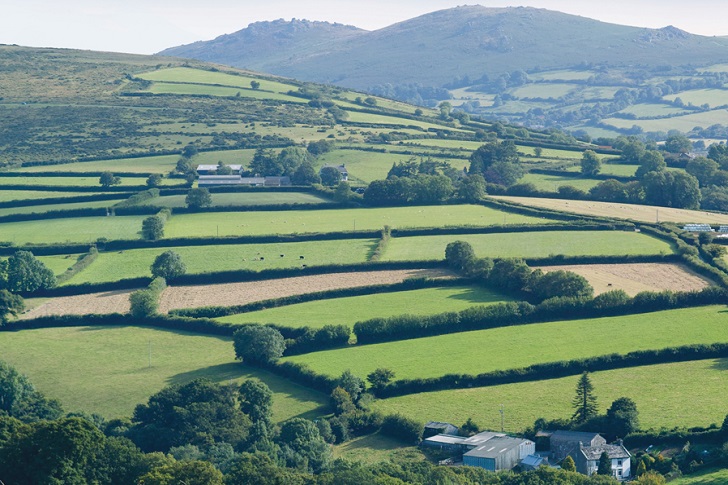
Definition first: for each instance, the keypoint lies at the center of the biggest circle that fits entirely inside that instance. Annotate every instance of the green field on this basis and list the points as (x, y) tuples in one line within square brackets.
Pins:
[(543, 90), (60, 263), (112, 266), (209, 90), (75, 229), (666, 396), (106, 370), (199, 76), (699, 97), (645, 110), (78, 181), (291, 222), (564, 75), (528, 244), (357, 117), (680, 123), (524, 345), (243, 199), (551, 183), (708, 477), (347, 311), (366, 166), (57, 207), (7, 195), (376, 448)]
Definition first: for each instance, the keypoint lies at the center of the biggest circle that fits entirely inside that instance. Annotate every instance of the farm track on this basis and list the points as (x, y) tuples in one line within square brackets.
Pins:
[(636, 277)]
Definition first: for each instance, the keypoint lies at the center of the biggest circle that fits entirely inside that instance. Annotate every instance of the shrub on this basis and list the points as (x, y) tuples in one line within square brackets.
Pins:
[(402, 428), (258, 344), (168, 265)]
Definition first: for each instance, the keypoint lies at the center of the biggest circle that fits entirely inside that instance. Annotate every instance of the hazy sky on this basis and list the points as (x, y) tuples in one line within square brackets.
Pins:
[(148, 26)]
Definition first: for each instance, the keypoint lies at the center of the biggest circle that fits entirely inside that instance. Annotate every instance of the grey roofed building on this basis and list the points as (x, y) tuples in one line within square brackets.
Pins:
[(444, 442), (218, 180), (564, 443), (587, 460), (436, 427), (342, 170), (499, 453), (531, 462), (480, 438)]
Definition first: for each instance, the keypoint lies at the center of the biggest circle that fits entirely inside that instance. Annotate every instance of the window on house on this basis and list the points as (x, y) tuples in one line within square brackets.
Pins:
[(619, 462)]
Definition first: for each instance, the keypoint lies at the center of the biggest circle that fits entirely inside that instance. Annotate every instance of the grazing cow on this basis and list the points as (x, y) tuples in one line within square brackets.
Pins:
[(300, 257), (262, 258), (303, 266), (282, 255)]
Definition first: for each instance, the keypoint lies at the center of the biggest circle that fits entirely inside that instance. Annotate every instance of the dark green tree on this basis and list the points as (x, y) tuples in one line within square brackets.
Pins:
[(703, 169), (341, 402), (493, 152), (678, 143), (154, 180), (472, 188), (192, 472), (330, 176), (305, 174), (198, 413), (256, 400), (152, 228), (650, 161), (590, 163), (223, 169), (343, 194), (108, 179), (303, 447), (10, 305), (459, 255), (605, 465), (380, 378), (168, 265), (584, 402), (143, 303), (319, 147), (562, 284), (50, 452), (351, 384), (567, 464), (469, 428), (23, 272), (198, 198), (261, 469), (623, 417), (255, 84), (258, 344)]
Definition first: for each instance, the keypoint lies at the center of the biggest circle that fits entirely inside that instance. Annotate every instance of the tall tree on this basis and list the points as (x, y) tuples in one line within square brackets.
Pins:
[(584, 402), (168, 265), (197, 198), (108, 179), (23, 272), (605, 465), (590, 163), (258, 343), (10, 305), (623, 417)]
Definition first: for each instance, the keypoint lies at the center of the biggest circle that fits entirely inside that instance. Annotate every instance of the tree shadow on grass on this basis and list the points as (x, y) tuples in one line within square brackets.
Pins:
[(476, 296), (720, 364), (232, 371)]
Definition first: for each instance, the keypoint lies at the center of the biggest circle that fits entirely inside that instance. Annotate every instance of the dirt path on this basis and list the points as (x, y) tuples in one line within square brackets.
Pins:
[(633, 278), (100, 303), (228, 294)]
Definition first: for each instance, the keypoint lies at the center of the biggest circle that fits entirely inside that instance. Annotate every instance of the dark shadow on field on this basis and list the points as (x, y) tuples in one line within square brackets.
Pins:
[(720, 364), (224, 373), (472, 295)]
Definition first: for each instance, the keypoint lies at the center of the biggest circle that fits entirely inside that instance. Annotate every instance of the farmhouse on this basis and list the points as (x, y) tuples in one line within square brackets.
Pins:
[(587, 459), (499, 453), (565, 443), (209, 180), (459, 443), (342, 170)]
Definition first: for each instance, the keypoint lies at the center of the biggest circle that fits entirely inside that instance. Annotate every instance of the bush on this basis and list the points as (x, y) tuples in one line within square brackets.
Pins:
[(258, 344), (152, 228), (145, 303), (168, 265), (402, 428)]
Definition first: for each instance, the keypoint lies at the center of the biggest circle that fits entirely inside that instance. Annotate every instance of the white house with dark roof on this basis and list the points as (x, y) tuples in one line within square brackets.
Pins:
[(587, 460)]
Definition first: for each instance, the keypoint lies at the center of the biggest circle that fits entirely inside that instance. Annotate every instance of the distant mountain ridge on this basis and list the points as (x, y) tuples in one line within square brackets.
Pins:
[(436, 48)]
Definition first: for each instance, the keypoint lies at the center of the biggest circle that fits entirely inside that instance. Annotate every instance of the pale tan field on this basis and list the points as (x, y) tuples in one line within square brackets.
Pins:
[(228, 294), (634, 278), (642, 213), (99, 303)]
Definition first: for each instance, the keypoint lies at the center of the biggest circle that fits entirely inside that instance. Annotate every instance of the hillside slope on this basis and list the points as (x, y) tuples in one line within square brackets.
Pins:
[(436, 48)]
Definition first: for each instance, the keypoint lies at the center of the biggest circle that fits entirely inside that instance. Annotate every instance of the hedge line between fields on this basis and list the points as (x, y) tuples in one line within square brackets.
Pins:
[(234, 276), (554, 370), (504, 314), (82, 263), (83, 212), (578, 175), (63, 200), (408, 284), (125, 244)]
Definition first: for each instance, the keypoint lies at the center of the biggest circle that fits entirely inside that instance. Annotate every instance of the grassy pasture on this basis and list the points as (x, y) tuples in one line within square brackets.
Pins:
[(551, 183), (112, 266), (680, 123), (597, 92), (154, 164), (56, 207), (645, 213), (644, 110), (699, 97), (74, 229), (357, 117), (291, 222), (243, 199), (369, 166), (513, 347), (665, 395), (531, 244), (451, 144), (376, 448), (208, 90), (106, 369), (520, 107), (348, 311), (199, 76), (7, 195), (79, 181), (565, 75), (708, 477), (60, 263), (543, 90)]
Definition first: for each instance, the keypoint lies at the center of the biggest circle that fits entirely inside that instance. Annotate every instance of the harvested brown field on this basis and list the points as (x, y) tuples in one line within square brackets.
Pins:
[(228, 294), (100, 303), (642, 213), (633, 278)]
